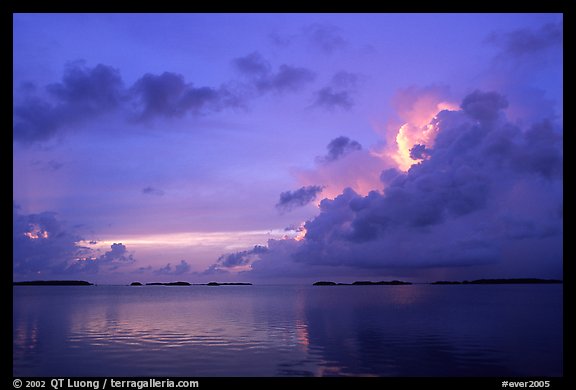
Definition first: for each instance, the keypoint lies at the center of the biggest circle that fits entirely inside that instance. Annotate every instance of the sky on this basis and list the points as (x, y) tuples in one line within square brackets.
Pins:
[(287, 148)]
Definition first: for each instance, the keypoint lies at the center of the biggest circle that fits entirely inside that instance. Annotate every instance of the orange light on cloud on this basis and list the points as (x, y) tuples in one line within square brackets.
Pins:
[(419, 130), (36, 233), (301, 233)]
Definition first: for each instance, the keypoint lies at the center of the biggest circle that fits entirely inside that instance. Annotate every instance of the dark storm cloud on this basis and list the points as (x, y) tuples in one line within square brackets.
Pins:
[(484, 106), (93, 89), (259, 72), (487, 190), (300, 197), (339, 147), (44, 246), (468, 168), (41, 242), (169, 95), (82, 94), (419, 152), (524, 42), (86, 93)]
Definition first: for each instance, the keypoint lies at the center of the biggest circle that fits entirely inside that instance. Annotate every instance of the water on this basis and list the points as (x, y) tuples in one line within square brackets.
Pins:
[(417, 330)]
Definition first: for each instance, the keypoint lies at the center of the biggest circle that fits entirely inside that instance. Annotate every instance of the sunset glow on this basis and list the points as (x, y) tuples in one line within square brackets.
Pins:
[(286, 148)]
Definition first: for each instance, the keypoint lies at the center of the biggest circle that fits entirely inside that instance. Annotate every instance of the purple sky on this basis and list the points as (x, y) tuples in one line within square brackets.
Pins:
[(287, 147)]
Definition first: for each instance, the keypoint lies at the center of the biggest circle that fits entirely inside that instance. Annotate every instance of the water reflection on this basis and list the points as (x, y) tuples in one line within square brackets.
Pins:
[(426, 331), (288, 331)]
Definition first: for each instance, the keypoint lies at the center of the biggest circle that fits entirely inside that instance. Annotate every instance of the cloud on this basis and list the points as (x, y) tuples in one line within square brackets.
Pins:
[(239, 261), (484, 106), (339, 147), (288, 78), (86, 93), (526, 42), (300, 197), (528, 66), (324, 37), (92, 89), (338, 93), (487, 191), (253, 65), (182, 268), (41, 242), (346, 164), (117, 255), (329, 98), (419, 152), (51, 165), (259, 72), (44, 246), (169, 95), (83, 93), (152, 191)]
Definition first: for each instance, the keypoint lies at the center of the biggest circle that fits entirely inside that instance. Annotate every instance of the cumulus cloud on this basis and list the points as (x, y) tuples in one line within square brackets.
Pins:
[(181, 268), (339, 147), (239, 261), (93, 89), (86, 93), (527, 61), (484, 106), (346, 164), (487, 191), (44, 246), (83, 93), (298, 198), (169, 95), (116, 256), (264, 79), (338, 94), (41, 242), (526, 42)]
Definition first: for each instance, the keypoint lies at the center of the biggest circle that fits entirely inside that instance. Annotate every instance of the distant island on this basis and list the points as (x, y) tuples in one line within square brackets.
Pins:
[(190, 284), (503, 281), (363, 283), (444, 282), (53, 283), (165, 284)]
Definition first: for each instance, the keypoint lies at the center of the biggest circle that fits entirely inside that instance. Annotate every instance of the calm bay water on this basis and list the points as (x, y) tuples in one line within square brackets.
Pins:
[(417, 330)]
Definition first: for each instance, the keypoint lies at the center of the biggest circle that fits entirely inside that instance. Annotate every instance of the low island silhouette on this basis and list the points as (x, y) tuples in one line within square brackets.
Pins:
[(192, 284), (53, 283), (85, 283), (446, 282), (502, 281), (319, 283)]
